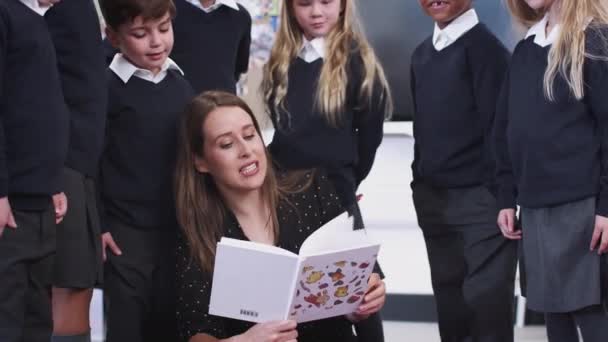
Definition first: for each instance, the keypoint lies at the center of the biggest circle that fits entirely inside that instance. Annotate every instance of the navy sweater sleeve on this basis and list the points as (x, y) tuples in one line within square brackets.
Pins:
[(506, 192), (3, 47), (596, 82), (415, 175), (242, 58), (487, 76), (369, 123)]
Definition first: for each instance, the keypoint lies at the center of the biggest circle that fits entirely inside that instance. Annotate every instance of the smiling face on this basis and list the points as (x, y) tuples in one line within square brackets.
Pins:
[(539, 5), (233, 151), (316, 18), (444, 12), (145, 43)]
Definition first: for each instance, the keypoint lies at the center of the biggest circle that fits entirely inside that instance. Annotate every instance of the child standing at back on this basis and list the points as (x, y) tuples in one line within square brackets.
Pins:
[(34, 132), (551, 145), (212, 39), (456, 76), (74, 27), (327, 97), (147, 92)]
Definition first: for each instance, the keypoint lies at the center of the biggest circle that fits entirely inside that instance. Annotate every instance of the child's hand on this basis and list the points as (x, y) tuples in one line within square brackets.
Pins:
[(6, 215), (600, 235), (108, 241), (60, 201), (373, 301), (278, 331), (506, 223)]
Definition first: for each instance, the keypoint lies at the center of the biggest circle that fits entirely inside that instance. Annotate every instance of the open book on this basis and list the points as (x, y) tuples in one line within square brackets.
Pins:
[(260, 283)]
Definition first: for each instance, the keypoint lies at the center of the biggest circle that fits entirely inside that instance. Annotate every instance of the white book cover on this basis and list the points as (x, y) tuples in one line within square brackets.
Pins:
[(260, 283)]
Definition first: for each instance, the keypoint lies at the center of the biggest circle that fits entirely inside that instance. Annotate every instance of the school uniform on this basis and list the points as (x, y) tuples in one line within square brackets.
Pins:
[(551, 162), (304, 139), (74, 27), (136, 192), (212, 44), (319, 204), (455, 78), (33, 148)]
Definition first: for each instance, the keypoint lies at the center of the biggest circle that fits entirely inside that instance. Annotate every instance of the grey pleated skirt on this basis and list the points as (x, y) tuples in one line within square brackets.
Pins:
[(78, 261), (562, 274)]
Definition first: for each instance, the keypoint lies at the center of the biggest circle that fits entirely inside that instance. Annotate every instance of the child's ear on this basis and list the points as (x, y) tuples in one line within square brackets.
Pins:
[(200, 165), (113, 37)]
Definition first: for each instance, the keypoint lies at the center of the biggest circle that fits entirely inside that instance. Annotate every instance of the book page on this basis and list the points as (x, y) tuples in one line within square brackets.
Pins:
[(335, 235), (332, 284), (252, 283)]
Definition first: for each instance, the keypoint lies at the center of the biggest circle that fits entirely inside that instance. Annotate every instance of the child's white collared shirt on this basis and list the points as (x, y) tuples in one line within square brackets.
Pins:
[(539, 31), (312, 50), (456, 29), (34, 5), (124, 69), (218, 3)]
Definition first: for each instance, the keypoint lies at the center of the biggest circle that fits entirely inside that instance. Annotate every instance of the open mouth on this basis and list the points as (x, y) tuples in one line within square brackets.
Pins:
[(156, 56), (438, 4), (249, 169)]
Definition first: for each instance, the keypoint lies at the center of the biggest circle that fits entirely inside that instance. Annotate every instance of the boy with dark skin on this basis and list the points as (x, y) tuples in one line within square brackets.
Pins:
[(456, 78)]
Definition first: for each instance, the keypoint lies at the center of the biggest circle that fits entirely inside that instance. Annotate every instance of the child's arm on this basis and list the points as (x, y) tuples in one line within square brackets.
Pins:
[(489, 65), (596, 79), (6, 215), (242, 56), (369, 122), (415, 175), (504, 173)]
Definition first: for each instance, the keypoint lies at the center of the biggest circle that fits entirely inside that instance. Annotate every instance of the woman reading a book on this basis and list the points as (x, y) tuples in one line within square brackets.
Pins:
[(226, 186)]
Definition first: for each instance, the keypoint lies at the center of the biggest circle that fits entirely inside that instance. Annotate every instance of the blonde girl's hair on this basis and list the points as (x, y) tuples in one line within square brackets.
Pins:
[(332, 85), (200, 208), (568, 54)]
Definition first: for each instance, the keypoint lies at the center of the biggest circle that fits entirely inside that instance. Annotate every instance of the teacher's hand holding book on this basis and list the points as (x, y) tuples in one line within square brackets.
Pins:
[(373, 301)]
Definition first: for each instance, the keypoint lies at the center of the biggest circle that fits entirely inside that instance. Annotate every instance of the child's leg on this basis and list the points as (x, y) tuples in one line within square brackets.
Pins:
[(125, 305), (489, 287), (128, 283), (162, 323), (26, 256), (561, 327), (448, 270), (78, 260), (593, 322)]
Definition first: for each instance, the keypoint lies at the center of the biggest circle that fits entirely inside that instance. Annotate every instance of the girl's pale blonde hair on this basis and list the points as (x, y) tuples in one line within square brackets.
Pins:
[(332, 85), (568, 54)]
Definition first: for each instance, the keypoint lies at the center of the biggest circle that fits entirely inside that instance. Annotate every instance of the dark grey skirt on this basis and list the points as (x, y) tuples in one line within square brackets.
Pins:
[(562, 274), (78, 262)]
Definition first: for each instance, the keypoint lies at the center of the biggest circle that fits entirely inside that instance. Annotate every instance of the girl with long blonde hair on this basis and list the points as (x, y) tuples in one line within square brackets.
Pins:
[(226, 186), (325, 91), (327, 96), (551, 141)]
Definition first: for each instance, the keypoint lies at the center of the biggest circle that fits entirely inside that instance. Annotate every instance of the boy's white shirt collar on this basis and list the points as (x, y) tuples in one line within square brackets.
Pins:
[(34, 5), (539, 31), (456, 29), (218, 3), (124, 69), (312, 50)]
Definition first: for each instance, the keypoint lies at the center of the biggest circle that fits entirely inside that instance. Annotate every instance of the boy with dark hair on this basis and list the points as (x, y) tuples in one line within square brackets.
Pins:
[(74, 28), (456, 77), (147, 92), (33, 145)]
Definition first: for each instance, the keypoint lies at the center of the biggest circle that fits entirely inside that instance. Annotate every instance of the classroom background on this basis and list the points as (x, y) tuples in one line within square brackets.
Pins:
[(395, 28)]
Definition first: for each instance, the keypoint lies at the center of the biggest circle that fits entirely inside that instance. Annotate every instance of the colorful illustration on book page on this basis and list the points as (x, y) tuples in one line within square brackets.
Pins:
[(331, 288)]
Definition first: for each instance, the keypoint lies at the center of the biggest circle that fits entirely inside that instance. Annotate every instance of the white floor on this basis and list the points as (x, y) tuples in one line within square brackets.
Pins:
[(427, 332)]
